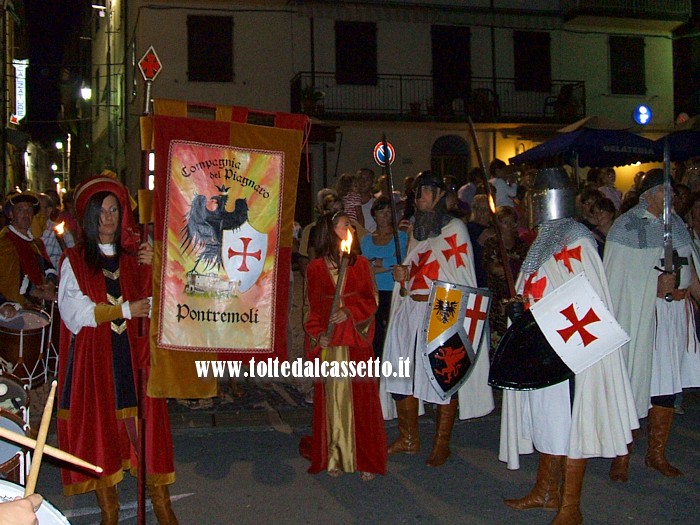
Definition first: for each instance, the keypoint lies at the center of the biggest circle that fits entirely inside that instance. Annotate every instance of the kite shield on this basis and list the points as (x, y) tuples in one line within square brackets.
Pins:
[(452, 330)]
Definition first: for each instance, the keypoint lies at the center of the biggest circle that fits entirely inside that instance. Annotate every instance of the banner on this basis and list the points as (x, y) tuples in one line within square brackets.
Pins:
[(224, 202)]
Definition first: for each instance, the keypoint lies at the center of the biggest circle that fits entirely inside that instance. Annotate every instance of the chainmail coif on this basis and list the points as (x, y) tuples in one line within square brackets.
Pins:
[(552, 237)]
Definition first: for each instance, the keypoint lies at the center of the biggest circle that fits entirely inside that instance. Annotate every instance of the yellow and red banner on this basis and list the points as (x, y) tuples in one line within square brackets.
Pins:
[(224, 202)]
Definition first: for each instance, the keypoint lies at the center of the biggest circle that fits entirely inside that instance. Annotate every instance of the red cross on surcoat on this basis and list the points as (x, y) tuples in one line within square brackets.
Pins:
[(455, 250), (578, 325), (565, 256), (245, 253), (422, 270), (476, 315), (535, 289)]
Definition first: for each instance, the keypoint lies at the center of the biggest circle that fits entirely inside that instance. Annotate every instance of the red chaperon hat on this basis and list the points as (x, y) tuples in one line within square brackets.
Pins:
[(107, 181)]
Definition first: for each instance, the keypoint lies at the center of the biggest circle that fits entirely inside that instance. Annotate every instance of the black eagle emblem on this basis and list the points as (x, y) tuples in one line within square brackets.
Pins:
[(204, 228), (445, 310)]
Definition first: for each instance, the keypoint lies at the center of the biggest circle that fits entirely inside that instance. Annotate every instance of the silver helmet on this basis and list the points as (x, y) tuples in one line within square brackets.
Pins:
[(551, 197)]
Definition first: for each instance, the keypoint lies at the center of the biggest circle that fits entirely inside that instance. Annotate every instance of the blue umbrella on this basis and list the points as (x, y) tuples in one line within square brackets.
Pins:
[(683, 141), (591, 147)]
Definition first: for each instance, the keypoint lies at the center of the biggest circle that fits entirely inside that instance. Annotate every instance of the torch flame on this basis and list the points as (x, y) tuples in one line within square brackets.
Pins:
[(59, 228), (346, 244), (492, 204)]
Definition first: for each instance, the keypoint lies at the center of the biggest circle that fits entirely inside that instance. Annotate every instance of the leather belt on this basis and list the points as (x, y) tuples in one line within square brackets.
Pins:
[(679, 294), (419, 298)]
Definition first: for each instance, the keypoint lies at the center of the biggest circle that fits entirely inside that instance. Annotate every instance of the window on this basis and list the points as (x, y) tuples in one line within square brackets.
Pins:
[(627, 65), (209, 48), (356, 53), (533, 61)]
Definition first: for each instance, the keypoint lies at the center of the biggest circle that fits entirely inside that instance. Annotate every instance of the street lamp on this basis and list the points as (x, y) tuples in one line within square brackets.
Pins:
[(85, 92)]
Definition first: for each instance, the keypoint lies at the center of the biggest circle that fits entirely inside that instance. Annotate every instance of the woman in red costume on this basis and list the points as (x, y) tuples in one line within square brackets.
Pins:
[(348, 429), (103, 294)]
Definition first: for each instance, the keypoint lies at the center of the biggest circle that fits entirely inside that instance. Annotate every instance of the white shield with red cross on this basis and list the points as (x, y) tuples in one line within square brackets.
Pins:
[(243, 252), (577, 324), (453, 325)]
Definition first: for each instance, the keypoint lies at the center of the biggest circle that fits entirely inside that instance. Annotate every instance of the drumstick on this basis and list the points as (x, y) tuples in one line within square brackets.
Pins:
[(40, 442), (48, 450)]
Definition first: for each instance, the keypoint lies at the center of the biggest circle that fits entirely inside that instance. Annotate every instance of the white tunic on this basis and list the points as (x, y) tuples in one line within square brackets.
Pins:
[(600, 422), (448, 257), (663, 355)]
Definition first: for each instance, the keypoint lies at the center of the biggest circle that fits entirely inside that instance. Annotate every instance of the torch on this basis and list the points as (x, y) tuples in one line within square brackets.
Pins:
[(59, 229), (345, 247)]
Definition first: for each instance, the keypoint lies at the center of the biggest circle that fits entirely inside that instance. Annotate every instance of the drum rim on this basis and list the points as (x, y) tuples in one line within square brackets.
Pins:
[(29, 308), (17, 420), (15, 379), (46, 504)]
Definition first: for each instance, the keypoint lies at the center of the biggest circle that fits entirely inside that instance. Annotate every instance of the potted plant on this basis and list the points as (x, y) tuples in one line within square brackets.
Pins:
[(310, 98)]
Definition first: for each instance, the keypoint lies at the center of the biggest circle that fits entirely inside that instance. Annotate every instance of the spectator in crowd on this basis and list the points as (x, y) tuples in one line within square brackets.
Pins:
[(479, 233), (49, 236), (604, 212), (606, 185), (380, 248), (364, 185), (409, 198), (466, 192), (516, 249), (585, 200), (503, 182), (352, 205)]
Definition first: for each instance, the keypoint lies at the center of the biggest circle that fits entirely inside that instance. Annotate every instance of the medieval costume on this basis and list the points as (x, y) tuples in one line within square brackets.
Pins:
[(348, 428), (590, 416), (663, 354), (23, 258), (102, 354), (439, 249)]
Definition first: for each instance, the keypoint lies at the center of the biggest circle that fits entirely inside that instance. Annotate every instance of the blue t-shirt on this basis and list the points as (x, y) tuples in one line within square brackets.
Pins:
[(387, 253)]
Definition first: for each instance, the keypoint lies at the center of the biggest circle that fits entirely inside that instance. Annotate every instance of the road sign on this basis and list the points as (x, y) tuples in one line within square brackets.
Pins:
[(379, 155), (150, 65)]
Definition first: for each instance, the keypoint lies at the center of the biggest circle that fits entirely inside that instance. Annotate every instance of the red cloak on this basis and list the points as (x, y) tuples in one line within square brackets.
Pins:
[(359, 298), (89, 427)]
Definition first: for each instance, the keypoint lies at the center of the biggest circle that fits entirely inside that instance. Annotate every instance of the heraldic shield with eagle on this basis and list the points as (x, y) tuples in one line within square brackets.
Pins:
[(452, 332)]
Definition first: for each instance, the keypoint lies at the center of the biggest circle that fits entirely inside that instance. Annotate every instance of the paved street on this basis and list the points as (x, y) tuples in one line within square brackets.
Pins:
[(247, 470)]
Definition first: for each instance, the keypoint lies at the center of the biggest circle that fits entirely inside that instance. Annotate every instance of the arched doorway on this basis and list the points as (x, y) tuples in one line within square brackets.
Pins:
[(450, 156)]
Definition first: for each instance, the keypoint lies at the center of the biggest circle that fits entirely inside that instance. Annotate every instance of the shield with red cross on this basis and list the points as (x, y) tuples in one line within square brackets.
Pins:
[(243, 252), (452, 329), (560, 336)]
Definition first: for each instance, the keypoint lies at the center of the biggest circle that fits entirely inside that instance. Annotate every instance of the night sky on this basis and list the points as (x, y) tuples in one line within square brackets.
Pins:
[(48, 26)]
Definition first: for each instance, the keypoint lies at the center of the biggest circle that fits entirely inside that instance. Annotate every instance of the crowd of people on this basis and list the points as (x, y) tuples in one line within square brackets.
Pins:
[(614, 239), (434, 231)]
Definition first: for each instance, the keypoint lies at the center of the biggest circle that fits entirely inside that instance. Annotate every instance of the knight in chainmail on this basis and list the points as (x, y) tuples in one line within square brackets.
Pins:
[(439, 248), (591, 415), (654, 308)]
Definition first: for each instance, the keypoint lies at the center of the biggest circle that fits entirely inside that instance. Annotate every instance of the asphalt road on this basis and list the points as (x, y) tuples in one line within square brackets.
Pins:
[(248, 471)]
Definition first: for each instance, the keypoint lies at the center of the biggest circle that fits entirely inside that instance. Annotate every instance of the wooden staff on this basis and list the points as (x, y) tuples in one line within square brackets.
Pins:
[(345, 247), (40, 442), (57, 453), (497, 225), (386, 168)]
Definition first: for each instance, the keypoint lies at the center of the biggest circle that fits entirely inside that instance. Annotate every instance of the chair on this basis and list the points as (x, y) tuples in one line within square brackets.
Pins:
[(564, 106)]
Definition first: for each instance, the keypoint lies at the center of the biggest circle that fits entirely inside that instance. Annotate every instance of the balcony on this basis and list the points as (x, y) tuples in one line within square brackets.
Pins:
[(665, 15), (412, 98)]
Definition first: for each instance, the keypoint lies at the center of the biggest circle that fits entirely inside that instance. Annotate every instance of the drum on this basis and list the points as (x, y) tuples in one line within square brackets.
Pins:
[(47, 513), (14, 396), (23, 342), (11, 455)]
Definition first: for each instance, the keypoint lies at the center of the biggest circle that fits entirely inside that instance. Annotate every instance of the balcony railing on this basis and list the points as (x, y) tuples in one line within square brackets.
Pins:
[(644, 9), (411, 98)]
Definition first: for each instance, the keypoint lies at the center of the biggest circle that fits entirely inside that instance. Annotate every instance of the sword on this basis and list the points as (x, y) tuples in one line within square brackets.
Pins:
[(386, 170), (668, 230)]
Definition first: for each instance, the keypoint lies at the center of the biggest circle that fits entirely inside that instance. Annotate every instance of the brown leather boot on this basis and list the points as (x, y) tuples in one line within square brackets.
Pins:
[(408, 441), (619, 467), (108, 500), (444, 421), (570, 510), (160, 498), (658, 429), (545, 493)]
